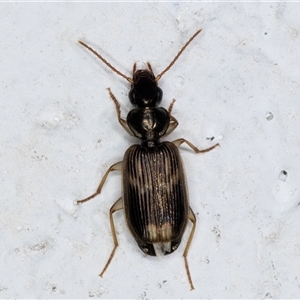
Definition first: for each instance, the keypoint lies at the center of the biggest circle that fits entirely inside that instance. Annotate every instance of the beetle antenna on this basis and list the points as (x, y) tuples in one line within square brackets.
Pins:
[(106, 62), (176, 57)]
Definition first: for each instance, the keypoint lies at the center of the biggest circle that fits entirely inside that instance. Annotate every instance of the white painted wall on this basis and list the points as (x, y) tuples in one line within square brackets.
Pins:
[(238, 82)]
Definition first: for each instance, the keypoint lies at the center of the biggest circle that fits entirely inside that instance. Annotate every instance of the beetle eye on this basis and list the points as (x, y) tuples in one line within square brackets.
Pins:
[(159, 95), (131, 96)]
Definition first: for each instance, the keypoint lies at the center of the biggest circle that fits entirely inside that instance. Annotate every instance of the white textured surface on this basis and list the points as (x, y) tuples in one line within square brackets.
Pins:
[(239, 82)]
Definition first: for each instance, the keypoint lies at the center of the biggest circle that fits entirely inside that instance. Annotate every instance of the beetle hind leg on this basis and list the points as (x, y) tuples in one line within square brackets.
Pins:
[(192, 218), (117, 206)]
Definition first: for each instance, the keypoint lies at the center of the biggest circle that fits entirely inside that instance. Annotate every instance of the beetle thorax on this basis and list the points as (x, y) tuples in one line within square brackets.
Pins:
[(149, 124)]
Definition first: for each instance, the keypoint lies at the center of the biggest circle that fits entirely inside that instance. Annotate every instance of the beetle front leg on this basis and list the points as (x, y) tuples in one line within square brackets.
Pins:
[(122, 121), (114, 167), (192, 218), (181, 141), (173, 122), (117, 206)]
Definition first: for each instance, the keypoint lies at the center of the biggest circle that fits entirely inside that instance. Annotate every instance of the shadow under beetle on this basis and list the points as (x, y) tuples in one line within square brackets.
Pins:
[(155, 197)]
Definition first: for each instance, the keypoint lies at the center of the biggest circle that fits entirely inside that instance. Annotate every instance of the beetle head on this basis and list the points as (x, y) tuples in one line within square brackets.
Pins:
[(144, 90)]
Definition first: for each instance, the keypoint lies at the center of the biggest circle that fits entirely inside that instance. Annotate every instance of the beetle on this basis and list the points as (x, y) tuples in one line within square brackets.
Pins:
[(154, 197)]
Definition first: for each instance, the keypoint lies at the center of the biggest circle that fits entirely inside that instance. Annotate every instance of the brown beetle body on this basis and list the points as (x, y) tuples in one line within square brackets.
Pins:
[(155, 196)]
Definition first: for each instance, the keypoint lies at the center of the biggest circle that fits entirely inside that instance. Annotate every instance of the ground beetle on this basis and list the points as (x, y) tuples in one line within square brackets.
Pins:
[(155, 197)]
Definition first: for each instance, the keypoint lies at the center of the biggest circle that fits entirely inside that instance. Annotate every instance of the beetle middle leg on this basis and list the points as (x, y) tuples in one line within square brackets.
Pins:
[(114, 167), (178, 142), (192, 218), (117, 206)]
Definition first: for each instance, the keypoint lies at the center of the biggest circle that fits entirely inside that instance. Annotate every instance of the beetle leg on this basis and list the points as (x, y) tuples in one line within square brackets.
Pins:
[(173, 122), (117, 206), (114, 167), (172, 125), (178, 142), (122, 121), (171, 106), (192, 218)]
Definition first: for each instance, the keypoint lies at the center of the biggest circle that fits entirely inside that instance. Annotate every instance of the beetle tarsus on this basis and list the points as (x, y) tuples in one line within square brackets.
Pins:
[(117, 206), (192, 218)]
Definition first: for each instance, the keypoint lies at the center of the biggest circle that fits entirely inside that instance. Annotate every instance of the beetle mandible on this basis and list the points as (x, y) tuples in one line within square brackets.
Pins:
[(155, 197)]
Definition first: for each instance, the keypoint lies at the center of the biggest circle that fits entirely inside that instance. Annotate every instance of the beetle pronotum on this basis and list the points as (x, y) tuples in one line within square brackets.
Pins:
[(154, 198)]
